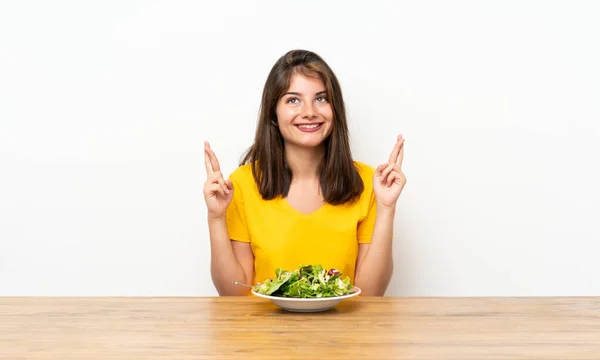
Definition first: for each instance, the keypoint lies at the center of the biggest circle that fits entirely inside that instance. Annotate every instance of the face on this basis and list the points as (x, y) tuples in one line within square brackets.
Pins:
[(304, 114)]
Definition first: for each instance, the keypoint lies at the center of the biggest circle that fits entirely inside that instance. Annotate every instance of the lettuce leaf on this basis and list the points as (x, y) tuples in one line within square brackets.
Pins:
[(308, 281)]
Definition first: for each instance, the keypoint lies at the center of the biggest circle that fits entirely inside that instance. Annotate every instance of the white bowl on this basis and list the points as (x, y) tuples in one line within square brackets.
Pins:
[(307, 304)]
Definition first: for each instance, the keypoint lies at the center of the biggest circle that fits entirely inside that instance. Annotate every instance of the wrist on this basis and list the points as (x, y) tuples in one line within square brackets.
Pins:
[(386, 210), (216, 220)]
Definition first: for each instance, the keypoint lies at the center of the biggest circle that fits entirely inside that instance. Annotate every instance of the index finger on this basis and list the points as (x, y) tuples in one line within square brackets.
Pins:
[(212, 158), (207, 163), (400, 155), (396, 151)]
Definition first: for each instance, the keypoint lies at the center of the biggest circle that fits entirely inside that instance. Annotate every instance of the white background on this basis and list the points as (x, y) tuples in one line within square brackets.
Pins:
[(104, 107)]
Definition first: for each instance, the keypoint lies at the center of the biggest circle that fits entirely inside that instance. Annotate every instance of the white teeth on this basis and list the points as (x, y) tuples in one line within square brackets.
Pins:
[(308, 126)]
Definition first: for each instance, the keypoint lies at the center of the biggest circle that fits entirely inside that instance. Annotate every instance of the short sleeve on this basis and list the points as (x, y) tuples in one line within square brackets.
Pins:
[(367, 224), (236, 215)]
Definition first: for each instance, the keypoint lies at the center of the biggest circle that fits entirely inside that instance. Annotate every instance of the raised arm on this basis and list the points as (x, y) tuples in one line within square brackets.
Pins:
[(375, 262), (230, 260)]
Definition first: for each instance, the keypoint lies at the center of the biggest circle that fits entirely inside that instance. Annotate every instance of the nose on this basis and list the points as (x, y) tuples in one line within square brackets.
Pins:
[(308, 110)]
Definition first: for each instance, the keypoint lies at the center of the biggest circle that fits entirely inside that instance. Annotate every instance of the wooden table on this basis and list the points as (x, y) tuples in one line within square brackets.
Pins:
[(252, 328)]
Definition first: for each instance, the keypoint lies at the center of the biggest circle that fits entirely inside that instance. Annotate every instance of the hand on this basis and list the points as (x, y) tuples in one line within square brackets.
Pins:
[(218, 192), (389, 180)]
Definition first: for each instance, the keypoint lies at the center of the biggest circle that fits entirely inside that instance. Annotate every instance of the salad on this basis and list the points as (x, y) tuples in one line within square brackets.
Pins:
[(311, 281)]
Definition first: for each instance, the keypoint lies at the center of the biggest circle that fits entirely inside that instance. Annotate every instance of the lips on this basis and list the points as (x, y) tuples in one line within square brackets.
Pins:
[(312, 127)]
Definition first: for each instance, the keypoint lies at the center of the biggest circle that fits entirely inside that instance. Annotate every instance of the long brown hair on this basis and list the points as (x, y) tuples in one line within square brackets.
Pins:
[(339, 179)]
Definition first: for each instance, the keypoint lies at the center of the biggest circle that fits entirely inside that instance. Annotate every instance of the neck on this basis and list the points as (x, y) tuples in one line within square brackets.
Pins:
[(304, 162)]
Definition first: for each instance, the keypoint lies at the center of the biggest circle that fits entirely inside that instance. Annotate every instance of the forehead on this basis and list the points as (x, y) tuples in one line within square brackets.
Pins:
[(309, 84)]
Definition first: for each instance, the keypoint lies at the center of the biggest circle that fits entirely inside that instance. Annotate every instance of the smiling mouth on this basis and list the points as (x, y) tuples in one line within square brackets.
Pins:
[(309, 126)]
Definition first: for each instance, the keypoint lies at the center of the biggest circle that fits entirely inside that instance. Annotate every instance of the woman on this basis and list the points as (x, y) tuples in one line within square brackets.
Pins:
[(298, 197)]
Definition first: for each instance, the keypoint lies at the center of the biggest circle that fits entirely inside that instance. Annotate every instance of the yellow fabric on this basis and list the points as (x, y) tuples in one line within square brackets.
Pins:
[(281, 236)]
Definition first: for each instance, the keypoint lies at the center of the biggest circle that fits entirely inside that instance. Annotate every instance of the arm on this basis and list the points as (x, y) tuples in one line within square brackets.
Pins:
[(375, 263), (230, 260)]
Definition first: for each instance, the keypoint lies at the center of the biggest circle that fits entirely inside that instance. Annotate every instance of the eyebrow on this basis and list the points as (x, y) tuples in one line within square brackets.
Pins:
[(323, 92)]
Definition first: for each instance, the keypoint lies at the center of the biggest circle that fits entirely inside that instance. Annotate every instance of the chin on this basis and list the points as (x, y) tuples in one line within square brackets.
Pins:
[(311, 143), (307, 144)]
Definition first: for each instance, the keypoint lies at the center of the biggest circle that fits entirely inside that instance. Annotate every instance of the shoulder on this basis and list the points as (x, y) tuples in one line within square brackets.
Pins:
[(243, 179), (365, 171), (242, 174)]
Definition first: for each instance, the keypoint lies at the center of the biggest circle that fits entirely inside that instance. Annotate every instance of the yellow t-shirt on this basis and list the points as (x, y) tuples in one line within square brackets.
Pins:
[(281, 236)]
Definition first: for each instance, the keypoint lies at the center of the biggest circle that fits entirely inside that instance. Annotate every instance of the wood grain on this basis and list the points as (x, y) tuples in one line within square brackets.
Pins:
[(252, 328)]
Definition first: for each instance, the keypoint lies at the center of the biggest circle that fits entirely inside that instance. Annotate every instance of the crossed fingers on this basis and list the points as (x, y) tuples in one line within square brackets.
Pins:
[(213, 169)]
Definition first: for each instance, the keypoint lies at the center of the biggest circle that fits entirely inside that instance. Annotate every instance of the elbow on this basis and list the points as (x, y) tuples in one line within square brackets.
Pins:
[(225, 288), (376, 290), (372, 292), (375, 285), (232, 292), (230, 289)]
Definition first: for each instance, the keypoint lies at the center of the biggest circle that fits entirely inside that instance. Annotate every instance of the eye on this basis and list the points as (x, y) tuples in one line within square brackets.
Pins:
[(292, 100), (322, 99)]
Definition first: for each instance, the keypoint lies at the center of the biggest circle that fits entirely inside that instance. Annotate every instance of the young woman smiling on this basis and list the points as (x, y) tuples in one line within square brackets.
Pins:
[(298, 197)]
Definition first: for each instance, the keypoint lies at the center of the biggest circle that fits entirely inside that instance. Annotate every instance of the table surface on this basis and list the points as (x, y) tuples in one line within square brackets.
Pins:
[(253, 328)]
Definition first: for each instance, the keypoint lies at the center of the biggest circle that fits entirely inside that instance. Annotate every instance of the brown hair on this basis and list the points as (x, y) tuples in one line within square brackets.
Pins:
[(339, 179)]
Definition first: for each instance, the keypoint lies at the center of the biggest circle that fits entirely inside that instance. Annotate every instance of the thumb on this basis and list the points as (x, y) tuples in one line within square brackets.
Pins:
[(229, 184)]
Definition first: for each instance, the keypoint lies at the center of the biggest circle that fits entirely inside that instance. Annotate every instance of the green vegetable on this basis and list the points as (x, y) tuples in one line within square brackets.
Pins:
[(310, 281)]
